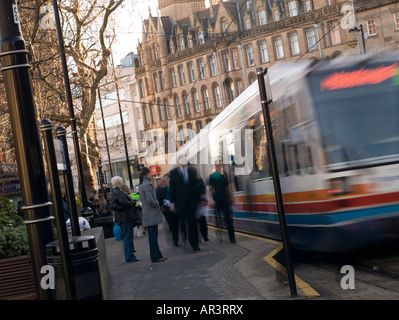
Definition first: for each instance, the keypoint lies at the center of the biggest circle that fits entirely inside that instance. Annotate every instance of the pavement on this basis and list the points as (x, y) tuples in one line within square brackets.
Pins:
[(246, 270)]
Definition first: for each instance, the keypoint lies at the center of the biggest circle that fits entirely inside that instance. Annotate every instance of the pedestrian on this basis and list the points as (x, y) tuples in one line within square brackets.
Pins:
[(163, 196), (202, 211), (102, 205), (137, 213), (184, 197), (124, 216), (219, 189), (151, 214)]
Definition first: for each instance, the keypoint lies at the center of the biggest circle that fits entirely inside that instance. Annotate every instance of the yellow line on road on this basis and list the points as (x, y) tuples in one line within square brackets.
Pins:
[(304, 286)]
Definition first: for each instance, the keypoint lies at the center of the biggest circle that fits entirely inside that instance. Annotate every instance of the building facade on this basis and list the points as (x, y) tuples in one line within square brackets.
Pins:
[(196, 57)]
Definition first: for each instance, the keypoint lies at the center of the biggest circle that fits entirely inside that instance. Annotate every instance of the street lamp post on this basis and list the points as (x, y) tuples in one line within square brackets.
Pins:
[(354, 23), (105, 132), (86, 209), (364, 35), (276, 180), (122, 125), (18, 86)]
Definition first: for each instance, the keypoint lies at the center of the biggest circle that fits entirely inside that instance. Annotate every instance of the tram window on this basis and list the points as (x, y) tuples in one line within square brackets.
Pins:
[(310, 159), (290, 117), (356, 128), (261, 168)]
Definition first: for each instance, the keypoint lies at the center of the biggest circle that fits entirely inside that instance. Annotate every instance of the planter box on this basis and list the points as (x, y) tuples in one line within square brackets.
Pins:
[(17, 279)]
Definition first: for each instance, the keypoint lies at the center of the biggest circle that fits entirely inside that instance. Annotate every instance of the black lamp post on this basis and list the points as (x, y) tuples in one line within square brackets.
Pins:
[(18, 85), (276, 179), (86, 209), (364, 35)]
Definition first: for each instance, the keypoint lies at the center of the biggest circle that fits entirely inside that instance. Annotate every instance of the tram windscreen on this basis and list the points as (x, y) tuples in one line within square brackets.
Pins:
[(358, 114)]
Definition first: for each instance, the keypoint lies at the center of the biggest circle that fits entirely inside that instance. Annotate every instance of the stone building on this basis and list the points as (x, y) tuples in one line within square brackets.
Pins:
[(197, 56)]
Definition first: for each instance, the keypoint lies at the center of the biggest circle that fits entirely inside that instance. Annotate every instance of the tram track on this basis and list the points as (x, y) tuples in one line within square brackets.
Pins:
[(376, 273)]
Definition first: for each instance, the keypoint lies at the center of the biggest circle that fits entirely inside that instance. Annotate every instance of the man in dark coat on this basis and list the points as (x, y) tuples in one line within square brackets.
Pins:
[(184, 197)]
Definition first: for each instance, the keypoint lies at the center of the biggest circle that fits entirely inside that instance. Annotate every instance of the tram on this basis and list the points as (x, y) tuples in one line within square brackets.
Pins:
[(336, 132)]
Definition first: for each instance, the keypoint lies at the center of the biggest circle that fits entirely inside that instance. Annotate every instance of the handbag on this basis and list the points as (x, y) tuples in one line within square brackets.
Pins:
[(118, 232), (115, 205)]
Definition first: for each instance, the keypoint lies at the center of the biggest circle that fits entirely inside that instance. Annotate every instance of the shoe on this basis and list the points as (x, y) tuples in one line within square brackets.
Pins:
[(206, 239), (233, 242), (196, 249), (160, 260), (133, 259)]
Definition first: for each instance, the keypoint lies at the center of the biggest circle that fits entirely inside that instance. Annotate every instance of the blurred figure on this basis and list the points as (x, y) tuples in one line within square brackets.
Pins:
[(185, 196), (124, 217), (219, 189), (102, 205), (151, 214), (202, 209), (163, 196)]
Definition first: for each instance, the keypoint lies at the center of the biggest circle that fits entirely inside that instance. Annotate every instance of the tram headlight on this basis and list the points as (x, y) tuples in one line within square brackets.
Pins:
[(337, 186)]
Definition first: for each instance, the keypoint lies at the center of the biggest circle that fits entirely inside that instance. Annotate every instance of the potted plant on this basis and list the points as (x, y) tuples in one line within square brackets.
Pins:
[(16, 273)]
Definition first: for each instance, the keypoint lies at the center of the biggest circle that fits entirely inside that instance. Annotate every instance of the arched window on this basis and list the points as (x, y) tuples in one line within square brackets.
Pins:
[(195, 101), (182, 46), (161, 110), (186, 103), (201, 37), (199, 126), (216, 96), (262, 17), (154, 120), (146, 116), (167, 109), (230, 90), (177, 105), (224, 25), (205, 97), (252, 78)]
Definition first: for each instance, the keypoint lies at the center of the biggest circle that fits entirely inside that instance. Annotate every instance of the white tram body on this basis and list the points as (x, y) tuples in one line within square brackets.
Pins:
[(336, 133)]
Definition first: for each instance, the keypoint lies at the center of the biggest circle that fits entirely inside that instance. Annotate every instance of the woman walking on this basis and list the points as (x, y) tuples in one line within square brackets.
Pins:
[(124, 216), (151, 214)]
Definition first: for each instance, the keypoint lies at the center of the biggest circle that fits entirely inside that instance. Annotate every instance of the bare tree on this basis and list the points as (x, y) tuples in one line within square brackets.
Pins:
[(88, 31), (88, 44)]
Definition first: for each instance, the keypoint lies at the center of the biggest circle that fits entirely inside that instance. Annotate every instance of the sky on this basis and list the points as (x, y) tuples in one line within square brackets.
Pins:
[(129, 18)]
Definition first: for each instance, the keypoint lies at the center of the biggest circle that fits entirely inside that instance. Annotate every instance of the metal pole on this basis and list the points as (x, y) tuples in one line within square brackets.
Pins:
[(71, 110), (354, 21), (46, 127), (105, 131), (73, 211), (363, 39), (276, 179), (18, 86), (122, 125)]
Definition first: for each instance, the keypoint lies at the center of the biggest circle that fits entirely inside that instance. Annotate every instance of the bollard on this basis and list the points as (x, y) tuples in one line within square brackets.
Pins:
[(46, 128), (18, 87)]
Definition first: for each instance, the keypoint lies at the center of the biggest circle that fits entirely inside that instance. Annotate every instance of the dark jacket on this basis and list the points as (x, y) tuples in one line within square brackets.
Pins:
[(124, 200), (185, 196)]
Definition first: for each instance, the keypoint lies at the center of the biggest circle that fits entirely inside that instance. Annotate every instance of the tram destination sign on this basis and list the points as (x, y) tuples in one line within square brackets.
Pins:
[(359, 78)]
